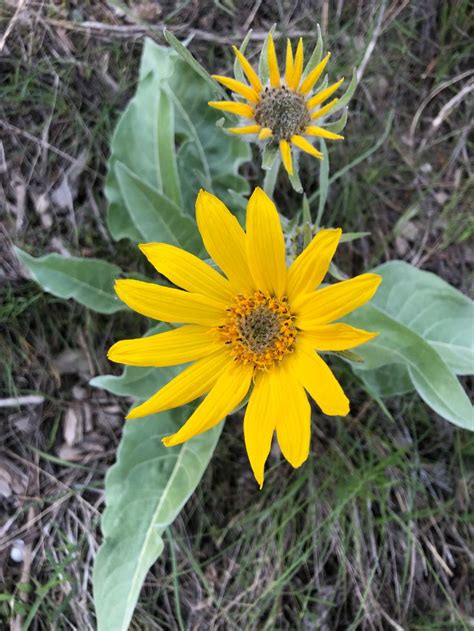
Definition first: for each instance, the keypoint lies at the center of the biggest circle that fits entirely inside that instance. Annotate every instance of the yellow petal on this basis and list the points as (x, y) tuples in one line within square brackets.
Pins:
[(259, 423), (322, 133), (170, 305), (273, 63), (188, 343), (323, 95), (265, 244), (252, 76), (285, 151), (187, 271), (238, 87), (336, 337), (248, 129), (240, 109), (190, 384), (317, 378), (289, 62), (226, 394), (293, 427), (324, 110), (304, 145), (265, 134), (314, 75), (224, 239), (297, 66), (309, 269), (334, 302)]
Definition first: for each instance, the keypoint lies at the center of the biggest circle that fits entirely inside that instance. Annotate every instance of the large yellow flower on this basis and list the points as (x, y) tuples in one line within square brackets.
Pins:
[(284, 110), (259, 328)]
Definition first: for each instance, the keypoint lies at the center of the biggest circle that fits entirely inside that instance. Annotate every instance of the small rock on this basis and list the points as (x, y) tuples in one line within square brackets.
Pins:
[(402, 246), (17, 552), (410, 231)]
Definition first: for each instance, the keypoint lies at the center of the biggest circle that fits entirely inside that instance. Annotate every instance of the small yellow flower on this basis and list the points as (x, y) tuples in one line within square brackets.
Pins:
[(284, 110), (259, 327)]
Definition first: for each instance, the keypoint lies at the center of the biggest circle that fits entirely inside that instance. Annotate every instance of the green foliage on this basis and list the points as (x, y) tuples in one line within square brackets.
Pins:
[(346, 97), (153, 213), (89, 281), (145, 491), (316, 55), (165, 148), (136, 381), (425, 328)]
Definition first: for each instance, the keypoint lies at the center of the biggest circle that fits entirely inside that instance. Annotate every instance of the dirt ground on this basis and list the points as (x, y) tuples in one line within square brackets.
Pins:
[(376, 530)]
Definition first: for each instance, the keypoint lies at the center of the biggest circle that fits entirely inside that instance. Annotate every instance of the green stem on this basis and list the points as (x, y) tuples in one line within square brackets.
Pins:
[(271, 175), (307, 224)]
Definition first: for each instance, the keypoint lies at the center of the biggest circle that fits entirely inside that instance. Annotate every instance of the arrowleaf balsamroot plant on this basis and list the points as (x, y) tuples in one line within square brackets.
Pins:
[(285, 109), (259, 328)]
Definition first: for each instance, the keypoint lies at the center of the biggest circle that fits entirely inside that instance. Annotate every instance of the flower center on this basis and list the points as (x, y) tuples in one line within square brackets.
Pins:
[(283, 111), (259, 329)]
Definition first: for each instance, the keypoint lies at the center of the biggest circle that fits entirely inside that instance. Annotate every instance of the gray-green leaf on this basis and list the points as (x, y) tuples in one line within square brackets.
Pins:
[(89, 281), (145, 491), (167, 139), (425, 325), (155, 216)]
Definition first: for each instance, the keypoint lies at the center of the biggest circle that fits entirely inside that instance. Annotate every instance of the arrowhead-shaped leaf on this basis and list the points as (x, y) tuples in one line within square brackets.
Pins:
[(89, 281), (425, 328), (167, 139), (145, 491)]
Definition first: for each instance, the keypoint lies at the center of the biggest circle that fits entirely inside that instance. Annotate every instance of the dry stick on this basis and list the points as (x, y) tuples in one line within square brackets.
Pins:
[(59, 152), (370, 48), (136, 30), (447, 107), (431, 95), (13, 402), (324, 17), (252, 15), (11, 24), (445, 112)]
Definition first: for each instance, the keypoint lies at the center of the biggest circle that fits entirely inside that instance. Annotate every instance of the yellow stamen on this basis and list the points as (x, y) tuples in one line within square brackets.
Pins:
[(234, 108), (285, 151), (289, 62), (298, 66), (273, 70), (248, 129), (324, 94), (304, 145), (324, 110), (265, 133), (314, 75), (238, 87), (259, 330), (322, 133), (252, 76)]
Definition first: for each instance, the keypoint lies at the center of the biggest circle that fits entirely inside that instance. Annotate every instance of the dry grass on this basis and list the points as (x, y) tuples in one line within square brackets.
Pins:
[(374, 532)]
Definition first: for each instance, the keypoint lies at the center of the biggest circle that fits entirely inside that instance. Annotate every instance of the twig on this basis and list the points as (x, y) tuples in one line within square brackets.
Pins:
[(451, 104), (371, 46), (251, 15), (325, 17), (431, 95), (43, 143), (138, 30), (13, 402), (11, 24)]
